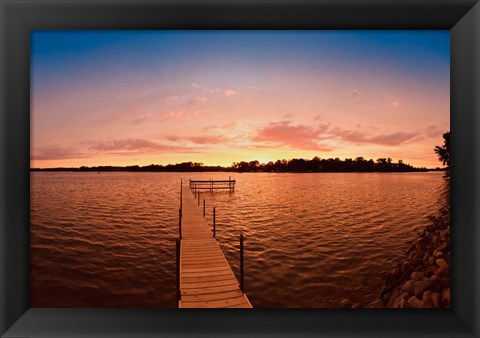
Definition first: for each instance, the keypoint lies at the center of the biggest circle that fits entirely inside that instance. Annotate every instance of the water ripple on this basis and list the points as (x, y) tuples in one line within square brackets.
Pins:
[(310, 239)]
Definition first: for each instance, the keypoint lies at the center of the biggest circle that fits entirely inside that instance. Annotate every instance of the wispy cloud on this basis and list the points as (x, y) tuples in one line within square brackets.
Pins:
[(208, 139), (58, 153), (203, 140), (283, 133), (229, 92), (434, 131), (228, 126), (172, 98), (197, 100), (142, 118), (182, 115), (392, 139), (209, 91), (395, 104), (135, 145)]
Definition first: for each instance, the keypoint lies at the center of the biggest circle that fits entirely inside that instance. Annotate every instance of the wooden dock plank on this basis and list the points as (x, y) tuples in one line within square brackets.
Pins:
[(206, 278), (201, 285), (223, 303), (212, 296)]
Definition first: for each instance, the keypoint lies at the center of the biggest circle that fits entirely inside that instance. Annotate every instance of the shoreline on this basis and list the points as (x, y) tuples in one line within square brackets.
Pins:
[(421, 278)]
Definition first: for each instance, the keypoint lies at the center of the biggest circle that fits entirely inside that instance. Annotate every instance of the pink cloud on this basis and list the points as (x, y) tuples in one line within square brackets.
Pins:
[(182, 115), (127, 146), (228, 126), (57, 153), (393, 139), (142, 118), (172, 98), (229, 92), (207, 139), (298, 137), (197, 100), (225, 91), (283, 133), (434, 131)]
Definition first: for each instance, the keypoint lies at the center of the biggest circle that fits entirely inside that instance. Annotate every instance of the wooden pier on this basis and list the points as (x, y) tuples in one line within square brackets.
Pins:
[(211, 185), (205, 279)]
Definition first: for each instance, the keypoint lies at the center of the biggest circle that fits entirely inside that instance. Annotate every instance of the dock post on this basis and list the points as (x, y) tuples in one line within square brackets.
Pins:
[(204, 207), (198, 198), (241, 264), (214, 222), (181, 192), (180, 223), (179, 295)]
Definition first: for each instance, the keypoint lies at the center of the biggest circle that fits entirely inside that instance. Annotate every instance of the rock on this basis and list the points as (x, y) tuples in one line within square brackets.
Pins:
[(345, 303), (443, 247), (438, 254), (434, 279), (395, 299), (431, 261), (418, 268), (376, 304), (422, 286), (414, 302), (427, 300), (436, 300), (431, 269), (409, 287), (357, 306), (419, 262), (446, 298), (443, 271), (441, 262), (417, 275), (405, 267)]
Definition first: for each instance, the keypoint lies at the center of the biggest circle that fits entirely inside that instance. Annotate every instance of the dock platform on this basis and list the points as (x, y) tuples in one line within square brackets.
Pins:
[(206, 280), (211, 185)]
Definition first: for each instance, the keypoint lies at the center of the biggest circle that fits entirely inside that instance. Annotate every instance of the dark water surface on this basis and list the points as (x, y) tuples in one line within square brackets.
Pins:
[(311, 240)]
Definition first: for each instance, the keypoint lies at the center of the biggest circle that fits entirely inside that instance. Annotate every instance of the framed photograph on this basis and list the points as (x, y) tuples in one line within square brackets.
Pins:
[(224, 168)]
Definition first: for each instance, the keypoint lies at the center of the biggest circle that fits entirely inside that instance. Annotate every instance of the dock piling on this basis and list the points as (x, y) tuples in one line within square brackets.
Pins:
[(180, 223), (204, 207), (179, 295), (241, 264), (214, 222)]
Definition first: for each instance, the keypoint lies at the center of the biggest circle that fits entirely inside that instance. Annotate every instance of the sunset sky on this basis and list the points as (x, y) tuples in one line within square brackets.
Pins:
[(217, 97)]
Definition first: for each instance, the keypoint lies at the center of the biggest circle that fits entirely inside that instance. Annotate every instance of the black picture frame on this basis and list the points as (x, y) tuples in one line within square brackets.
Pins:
[(19, 17)]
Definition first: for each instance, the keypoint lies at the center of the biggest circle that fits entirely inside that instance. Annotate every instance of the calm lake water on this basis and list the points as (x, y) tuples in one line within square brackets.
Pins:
[(311, 240)]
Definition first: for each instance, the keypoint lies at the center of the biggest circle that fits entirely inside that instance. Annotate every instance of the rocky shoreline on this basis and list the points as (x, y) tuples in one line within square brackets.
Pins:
[(421, 279)]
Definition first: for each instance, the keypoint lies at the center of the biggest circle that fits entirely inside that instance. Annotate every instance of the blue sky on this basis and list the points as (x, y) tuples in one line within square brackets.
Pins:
[(382, 85)]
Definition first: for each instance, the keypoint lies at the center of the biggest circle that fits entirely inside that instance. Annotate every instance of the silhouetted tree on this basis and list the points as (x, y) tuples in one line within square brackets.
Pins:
[(443, 152)]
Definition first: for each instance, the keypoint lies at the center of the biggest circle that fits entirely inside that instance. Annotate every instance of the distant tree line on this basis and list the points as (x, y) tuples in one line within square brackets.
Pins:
[(316, 165)]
